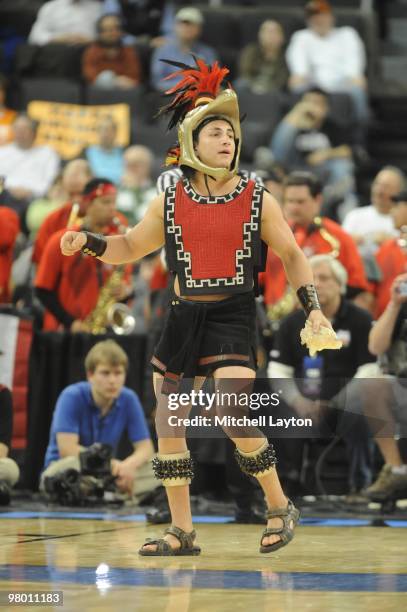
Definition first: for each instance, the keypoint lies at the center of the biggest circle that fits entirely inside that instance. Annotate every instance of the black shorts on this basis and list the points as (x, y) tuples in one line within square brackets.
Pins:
[(200, 337)]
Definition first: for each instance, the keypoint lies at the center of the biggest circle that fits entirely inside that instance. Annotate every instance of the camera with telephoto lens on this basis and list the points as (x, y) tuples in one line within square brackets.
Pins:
[(93, 485), (64, 488), (95, 460)]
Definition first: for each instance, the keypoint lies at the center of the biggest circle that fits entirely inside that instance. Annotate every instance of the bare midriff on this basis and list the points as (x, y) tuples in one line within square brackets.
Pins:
[(199, 298)]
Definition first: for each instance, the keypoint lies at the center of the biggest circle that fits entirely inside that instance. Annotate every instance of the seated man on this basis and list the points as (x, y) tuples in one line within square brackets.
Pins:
[(28, 169), (316, 235), (330, 57), (308, 139), (108, 62), (370, 226), (331, 376), (64, 21), (388, 402), (183, 41), (392, 255), (100, 410), (9, 471), (106, 157)]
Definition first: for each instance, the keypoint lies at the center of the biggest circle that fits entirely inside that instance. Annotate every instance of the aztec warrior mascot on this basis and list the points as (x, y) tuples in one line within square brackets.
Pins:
[(214, 224)]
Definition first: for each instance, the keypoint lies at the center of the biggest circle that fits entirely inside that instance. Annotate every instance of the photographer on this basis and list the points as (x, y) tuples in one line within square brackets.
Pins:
[(388, 339), (99, 411), (308, 139)]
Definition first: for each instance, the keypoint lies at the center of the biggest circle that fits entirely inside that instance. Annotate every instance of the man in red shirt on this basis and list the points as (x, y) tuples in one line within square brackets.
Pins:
[(392, 255), (109, 63), (9, 229), (315, 235), (75, 176), (69, 288)]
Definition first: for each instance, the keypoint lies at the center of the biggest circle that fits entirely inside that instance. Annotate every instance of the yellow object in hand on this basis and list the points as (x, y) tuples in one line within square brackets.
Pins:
[(324, 339)]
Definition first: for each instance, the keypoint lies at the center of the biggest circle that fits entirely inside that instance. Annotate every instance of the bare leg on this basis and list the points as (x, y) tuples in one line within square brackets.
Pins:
[(390, 451), (377, 409), (270, 482), (178, 496)]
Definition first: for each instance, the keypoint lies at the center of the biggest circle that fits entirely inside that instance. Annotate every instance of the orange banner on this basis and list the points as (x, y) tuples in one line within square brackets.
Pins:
[(69, 128)]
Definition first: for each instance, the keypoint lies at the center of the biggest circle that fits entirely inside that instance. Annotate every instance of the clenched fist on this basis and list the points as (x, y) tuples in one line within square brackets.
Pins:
[(71, 242)]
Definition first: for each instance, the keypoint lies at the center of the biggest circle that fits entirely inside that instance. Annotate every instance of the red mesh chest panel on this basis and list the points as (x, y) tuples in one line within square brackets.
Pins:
[(213, 243)]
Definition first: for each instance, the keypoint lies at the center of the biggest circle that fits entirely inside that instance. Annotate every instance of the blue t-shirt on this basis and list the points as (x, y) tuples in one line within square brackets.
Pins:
[(108, 164), (76, 412)]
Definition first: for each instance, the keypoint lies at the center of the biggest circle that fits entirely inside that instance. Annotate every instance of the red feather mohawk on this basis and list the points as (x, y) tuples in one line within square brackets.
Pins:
[(201, 82), (196, 97)]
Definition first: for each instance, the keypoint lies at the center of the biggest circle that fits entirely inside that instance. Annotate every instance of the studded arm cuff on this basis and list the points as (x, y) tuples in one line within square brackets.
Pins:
[(95, 244), (307, 294)]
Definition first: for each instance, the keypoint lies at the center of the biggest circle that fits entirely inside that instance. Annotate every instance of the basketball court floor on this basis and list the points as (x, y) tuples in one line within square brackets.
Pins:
[(331, 565)]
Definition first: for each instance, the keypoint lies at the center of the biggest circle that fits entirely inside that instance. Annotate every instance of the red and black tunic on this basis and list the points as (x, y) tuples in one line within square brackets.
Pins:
[(213, 244)]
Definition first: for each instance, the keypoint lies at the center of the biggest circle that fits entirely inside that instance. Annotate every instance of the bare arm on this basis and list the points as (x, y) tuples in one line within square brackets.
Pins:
[(125, 471), (279, 237), (3, 450), (146, 237), (143, 452), (68, 445), (380, 336)]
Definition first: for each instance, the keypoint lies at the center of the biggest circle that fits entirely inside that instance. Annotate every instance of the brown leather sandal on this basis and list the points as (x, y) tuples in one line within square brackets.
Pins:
[(164, 549), (286, 532)]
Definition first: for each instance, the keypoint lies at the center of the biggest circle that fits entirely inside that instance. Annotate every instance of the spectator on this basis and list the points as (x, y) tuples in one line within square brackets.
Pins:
[(273, 178), (72, 22), (334, 373), (372, 225), (392, 255), (106, 159), (101, 410), (74, 178), (69, 287), (308, 139), (28, 169), (40, 208), (7, 116), (140, 19), (187, 31), (9, 471), (328, 57), (262, 64), (136, 187), (315, 235), (9, 229), (109, 63), (387, 402)]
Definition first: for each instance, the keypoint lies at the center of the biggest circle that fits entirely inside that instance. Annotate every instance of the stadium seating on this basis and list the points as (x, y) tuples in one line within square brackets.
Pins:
[(52, 90)]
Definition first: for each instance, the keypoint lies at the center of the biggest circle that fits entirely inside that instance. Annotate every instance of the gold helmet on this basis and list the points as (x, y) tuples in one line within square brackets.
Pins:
[(199, 100)]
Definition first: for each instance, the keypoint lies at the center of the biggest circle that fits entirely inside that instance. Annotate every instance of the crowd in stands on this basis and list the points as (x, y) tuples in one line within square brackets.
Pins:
[(308, 157)]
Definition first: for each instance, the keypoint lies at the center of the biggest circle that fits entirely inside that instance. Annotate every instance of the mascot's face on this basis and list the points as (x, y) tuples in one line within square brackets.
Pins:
[(224, 105), (215, 144)]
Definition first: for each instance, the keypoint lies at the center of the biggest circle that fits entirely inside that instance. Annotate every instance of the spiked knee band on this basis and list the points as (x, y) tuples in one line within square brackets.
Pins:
[(259, 462), (174, 470)]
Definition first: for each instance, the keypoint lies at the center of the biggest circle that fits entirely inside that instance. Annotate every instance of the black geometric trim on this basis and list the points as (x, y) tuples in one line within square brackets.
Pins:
[(200, 199)]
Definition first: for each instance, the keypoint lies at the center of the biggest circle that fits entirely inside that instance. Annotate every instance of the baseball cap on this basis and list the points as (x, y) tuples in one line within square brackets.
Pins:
[(315, 7), (190, 14), (400, 197)]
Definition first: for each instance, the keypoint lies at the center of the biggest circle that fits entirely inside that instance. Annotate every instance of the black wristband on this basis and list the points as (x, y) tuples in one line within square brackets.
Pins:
[(307, 294), (95, 244)]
